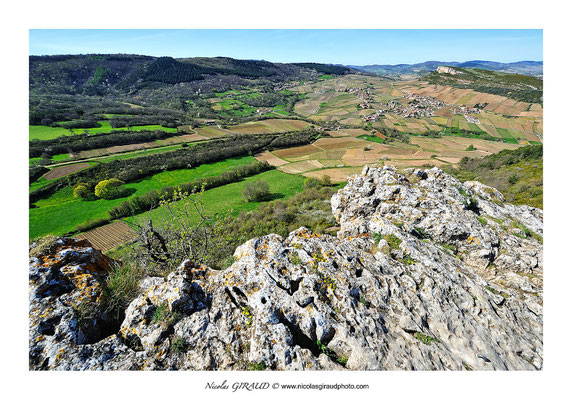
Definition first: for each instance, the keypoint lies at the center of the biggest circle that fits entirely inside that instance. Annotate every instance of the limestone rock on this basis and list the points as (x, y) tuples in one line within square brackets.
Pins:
[(426, 274)]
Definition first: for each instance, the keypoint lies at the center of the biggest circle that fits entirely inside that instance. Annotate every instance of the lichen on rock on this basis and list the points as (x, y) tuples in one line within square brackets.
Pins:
[(426, 273)]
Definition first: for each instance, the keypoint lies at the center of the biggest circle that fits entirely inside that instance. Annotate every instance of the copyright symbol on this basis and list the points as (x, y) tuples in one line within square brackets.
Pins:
[(275, 386)]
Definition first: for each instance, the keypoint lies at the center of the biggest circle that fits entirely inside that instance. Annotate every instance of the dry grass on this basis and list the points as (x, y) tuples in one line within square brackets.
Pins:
[(336, 175), (271, 159), (302, 166)]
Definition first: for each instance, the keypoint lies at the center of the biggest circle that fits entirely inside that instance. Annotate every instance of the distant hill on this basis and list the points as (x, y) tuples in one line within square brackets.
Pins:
[(98, 74), (516, 86), (533, 68)]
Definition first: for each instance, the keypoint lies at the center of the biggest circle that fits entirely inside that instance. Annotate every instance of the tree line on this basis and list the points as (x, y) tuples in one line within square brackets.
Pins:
[(130, 170), (152, 199), (84, 141)]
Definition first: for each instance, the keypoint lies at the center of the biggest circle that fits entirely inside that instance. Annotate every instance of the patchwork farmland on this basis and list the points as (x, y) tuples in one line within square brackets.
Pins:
[(359, 122)]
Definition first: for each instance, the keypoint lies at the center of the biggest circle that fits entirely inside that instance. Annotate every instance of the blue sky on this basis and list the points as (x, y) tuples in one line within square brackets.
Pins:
[(354, 46)]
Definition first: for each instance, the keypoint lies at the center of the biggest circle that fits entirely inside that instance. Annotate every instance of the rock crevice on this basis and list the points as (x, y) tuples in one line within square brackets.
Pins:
[(416, 279)]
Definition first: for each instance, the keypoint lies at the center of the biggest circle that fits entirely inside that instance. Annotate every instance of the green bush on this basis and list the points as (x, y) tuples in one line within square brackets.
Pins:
[(326, 181), (256, 191), (310, 183), (108, 189), (513, 179), (82, 191)]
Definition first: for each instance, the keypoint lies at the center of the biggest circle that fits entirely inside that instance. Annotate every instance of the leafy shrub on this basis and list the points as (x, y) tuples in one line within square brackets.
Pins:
[(311, 183), (256, 191), (207, 241), (82, 191), (108, 189), (326, 181)]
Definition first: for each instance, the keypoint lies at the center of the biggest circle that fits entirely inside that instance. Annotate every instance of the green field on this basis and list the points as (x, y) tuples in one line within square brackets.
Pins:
[(371, 138), (234, 107), (229, 197), (38, 183), (47, 132), (61, 157), (56, 158), (506, 135), (35, 160), (61, 212), (221, 94), (280, 109)]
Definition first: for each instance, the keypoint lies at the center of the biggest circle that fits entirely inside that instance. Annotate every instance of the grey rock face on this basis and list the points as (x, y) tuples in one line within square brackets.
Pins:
[(426, 273)]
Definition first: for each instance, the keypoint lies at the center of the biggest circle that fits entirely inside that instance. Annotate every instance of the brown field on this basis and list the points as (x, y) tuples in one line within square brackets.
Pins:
[(211, 131), (140, 146), (92, 153), (269, 126), (531, 136), (311, 103), (293, 152), (352, 121), (415, 163), (337, 133), (109, 236), (355, 157), (270, 159), (127, 147), (183, 139), (339, 143), (65, 170), (336, 175), (302, 166)]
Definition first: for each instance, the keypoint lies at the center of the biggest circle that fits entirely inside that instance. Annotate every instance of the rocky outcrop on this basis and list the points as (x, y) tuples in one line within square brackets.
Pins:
[(441, 69), (425, 273)]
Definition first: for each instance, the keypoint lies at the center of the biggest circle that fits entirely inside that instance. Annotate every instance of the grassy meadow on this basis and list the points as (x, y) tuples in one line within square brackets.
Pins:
[(62, 212), (229, 197)]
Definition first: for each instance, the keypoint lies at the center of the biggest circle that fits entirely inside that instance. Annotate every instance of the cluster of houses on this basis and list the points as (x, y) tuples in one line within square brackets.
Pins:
[(417, 106), (472, 119), (373, 117), (363, 95), (263, 110), (466, 110)]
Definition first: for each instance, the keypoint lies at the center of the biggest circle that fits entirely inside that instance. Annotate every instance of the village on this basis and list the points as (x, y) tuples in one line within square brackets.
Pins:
[(417, 106)]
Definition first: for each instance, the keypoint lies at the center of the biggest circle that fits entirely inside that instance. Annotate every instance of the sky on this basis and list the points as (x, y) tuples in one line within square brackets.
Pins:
[(332, 46)]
